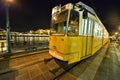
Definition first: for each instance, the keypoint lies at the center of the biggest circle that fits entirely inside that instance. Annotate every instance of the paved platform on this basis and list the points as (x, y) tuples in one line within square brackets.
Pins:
[(110, 65)]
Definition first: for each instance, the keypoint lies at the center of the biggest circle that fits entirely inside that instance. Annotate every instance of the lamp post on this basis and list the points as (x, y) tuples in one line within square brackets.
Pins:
[(8, 38), (8, 29)]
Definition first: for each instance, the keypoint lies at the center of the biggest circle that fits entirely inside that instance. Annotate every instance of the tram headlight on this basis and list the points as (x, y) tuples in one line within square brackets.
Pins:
[(54, 18)]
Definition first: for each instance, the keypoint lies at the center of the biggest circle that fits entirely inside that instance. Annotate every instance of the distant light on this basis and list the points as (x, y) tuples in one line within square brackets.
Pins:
[(8, 1), (119, 27), (116, 33)]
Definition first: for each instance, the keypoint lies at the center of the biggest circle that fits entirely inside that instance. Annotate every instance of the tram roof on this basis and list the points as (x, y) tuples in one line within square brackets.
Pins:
[(84, 6)]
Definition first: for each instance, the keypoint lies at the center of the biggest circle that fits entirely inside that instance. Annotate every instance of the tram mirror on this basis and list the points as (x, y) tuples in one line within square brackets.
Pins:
[(85, 14)]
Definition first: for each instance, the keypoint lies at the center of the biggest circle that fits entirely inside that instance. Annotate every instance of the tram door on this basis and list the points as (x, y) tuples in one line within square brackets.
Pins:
[(87, 37)]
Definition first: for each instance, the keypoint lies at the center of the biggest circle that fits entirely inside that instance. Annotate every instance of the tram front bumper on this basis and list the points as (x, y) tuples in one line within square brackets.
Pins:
[(57, 54)]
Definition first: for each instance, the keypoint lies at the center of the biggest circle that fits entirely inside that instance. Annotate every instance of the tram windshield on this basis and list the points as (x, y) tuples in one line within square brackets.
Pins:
[(73, 25), (59, 22)]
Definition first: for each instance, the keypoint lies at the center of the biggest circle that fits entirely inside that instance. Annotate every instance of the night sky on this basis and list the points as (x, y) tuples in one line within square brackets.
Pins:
[(28, 15)]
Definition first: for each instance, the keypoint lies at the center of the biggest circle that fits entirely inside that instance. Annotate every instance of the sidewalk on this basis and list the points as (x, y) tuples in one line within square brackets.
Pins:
[(117, 49), (110, 65)]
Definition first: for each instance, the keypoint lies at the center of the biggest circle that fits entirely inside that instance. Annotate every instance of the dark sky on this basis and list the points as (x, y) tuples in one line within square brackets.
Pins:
[(36, 14)]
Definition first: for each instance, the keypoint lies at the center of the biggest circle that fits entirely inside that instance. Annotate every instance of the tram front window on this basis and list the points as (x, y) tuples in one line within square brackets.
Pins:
[(73, 23), (59, 22)]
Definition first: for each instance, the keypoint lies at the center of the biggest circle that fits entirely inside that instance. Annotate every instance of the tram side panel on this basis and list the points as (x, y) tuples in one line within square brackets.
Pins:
[(92, 36), (105, 37), (86, 34), (74, 48), (97, 37), (97, 44), (100, 37), (65, 48)]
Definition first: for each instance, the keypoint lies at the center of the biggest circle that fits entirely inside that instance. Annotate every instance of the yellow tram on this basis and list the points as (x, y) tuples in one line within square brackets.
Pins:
[(76, 32)]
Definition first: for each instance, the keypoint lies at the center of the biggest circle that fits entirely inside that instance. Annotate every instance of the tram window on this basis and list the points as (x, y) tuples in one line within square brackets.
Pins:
[(84, 26), (73, 23), (91, 29), (62, 27), (90, 26), (87, 27), (59, 28), (54, 28), (96, 30), (100, 33), (59, 22)]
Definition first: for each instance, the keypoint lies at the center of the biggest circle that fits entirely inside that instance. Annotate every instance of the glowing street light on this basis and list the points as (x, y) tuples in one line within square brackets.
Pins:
[(116, 33), (9, 1), (119, 27), (7, 4)]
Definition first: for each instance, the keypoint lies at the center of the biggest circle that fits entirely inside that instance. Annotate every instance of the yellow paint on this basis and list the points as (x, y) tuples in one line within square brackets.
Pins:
[(74, 49)]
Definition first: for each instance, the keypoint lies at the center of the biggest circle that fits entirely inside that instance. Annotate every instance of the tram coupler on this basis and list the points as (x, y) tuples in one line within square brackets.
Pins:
[(53, 71), (47, 60)]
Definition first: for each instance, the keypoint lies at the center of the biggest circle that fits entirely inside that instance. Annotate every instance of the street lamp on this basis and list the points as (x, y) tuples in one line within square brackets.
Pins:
[(7, 4), (9, 1)]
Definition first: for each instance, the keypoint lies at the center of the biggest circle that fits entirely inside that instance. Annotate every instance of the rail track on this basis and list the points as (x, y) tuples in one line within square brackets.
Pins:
[(65, 71), (21, 54), (22, 60)]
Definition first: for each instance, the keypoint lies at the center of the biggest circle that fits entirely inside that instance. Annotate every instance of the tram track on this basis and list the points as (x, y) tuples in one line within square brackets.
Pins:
[(21, 54), (34, 55), (65, 71), (20, 67)]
